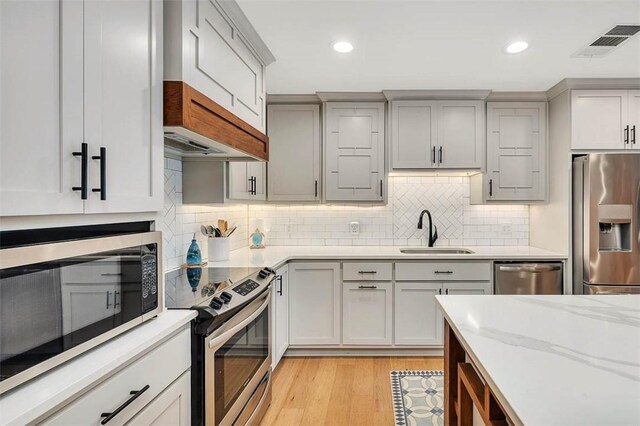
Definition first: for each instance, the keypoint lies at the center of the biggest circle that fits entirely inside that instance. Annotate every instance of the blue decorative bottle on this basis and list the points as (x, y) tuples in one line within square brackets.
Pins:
[(194, 257)]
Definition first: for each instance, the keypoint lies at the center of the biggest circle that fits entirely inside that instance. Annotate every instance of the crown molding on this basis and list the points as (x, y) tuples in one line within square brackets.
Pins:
[(394, 95), (240, 20), (351, 96), (517, 97), (593, 83), (292, 99)]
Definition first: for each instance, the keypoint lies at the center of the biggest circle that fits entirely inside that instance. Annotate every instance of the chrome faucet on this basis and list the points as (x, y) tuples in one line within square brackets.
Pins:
[(433, 230)]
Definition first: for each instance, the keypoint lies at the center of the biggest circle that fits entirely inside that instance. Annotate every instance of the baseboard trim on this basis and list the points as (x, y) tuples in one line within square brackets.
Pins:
[(349, 352)]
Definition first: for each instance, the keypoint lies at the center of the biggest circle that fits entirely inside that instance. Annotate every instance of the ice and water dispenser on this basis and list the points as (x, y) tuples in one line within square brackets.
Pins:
[(615, 228)]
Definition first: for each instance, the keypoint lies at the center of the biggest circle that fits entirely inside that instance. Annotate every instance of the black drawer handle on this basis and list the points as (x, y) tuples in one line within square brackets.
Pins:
[(134, 395), (362, 287), (443, 272), (367, 272), (103, 173)]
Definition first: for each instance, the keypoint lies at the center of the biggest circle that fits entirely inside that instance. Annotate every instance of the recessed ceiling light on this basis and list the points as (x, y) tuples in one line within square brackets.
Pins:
[(342, 46), (517, 47)]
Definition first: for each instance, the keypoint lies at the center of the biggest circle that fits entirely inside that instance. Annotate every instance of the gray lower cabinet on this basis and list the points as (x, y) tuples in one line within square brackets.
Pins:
[(280, 315), (367, 313), (516, 154), (314, 303), (354, 151), (418, 320), (294, 153)]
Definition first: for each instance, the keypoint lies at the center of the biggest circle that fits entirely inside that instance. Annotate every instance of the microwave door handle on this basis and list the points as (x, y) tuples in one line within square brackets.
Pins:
[(224, 335)]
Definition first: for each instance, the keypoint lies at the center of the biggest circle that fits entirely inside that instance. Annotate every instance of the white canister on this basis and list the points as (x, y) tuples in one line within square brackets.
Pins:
[(218, 249)]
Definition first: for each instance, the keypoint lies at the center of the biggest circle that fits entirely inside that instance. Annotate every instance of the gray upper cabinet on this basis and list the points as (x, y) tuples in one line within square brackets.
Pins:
[(294, 152), (246, 181), (437, 134), (516, 152), (413, 134), (354, 151)]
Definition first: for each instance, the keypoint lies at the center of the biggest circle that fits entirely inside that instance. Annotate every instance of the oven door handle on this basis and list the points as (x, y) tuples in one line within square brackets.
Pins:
[(225, 335)]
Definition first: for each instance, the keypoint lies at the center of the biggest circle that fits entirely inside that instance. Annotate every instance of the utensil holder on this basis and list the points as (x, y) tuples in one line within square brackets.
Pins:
[(218, 249)]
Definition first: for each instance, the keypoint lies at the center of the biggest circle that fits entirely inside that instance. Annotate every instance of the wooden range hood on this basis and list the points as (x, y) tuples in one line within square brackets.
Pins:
[(203, 126)]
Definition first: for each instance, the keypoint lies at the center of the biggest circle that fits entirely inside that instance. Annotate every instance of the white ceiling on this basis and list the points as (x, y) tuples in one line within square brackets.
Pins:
[(426, 44)]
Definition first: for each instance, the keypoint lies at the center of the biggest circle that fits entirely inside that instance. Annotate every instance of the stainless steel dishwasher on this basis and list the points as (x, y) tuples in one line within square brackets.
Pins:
[(528, 278)]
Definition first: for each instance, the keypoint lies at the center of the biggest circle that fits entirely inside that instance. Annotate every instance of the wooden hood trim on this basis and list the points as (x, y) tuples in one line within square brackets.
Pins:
[(185, 107)]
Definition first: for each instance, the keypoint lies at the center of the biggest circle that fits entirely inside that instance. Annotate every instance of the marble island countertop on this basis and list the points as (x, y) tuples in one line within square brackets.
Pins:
[(554, 360), (274, 256)]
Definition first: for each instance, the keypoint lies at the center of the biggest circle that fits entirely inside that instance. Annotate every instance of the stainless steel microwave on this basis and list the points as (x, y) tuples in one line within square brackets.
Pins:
[(60, 299)]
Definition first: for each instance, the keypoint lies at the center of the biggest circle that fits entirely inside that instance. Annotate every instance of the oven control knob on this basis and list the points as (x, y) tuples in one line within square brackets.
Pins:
[(263, 273), (226, 297), (216, 303)]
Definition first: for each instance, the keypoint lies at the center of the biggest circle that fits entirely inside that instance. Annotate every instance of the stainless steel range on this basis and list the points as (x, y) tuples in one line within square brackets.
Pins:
[(230, 344)]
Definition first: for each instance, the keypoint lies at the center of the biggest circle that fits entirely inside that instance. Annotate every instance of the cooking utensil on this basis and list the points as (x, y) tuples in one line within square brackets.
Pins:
[(231, 231), (211, 230), (204, 230), (222, 226)]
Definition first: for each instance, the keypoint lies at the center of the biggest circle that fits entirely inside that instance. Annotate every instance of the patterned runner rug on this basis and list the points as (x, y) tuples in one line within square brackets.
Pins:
[(418, 397)]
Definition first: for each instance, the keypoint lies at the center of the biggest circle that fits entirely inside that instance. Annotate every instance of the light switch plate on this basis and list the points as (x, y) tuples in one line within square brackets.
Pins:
[(354, 227)]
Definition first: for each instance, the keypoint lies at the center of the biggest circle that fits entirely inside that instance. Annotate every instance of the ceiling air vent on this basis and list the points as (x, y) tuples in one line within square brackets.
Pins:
[(607, 42)]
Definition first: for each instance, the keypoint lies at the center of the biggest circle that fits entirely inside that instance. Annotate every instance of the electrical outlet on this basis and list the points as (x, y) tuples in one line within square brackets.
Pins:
[(506, 229), (354, 227), (287, 228)]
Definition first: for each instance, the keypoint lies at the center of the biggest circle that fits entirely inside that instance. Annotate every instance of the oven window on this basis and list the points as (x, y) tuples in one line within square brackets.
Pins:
[(48, 308), (237, 361)]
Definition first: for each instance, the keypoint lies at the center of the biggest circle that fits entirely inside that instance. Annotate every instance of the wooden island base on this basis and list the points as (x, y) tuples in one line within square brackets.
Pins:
[(463, 388)]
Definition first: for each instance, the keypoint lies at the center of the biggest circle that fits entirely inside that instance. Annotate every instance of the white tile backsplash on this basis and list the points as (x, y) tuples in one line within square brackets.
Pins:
[(458, 222)]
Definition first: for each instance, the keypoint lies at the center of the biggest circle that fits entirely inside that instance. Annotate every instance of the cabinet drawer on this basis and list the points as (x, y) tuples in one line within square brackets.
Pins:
[(366, 271), (443, 271), (157, 370)]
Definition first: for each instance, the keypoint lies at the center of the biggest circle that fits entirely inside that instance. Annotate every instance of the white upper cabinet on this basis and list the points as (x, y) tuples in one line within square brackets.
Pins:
[(123, 105), (516, 152), (413, 134), (41, 109), (437, 134), (103, 87), (604, 119), (212, 47), (460, 134), (247, 180), (354, 151), (294, 152)]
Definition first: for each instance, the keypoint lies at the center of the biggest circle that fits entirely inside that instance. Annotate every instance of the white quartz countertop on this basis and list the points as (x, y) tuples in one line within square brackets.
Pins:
[(38, 398), (555, 360), (274, 256)]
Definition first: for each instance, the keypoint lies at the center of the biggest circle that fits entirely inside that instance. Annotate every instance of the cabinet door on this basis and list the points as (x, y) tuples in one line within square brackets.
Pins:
[(294, 152), (40, 107), (239, 183), (516, 157), (366, 318), (413, 135), (123, 104), (468, 288), (418, 320), (460, 134), (354, 153), (281, 315), (598, 119), (314, 303), (171, 407), (258, 171), (634, 119)]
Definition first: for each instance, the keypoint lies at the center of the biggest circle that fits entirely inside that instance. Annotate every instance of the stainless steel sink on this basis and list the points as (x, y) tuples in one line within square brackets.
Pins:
[(435, 250)]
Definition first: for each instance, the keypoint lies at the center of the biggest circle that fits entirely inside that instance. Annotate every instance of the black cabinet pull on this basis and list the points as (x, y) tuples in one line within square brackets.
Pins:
[(363, 287), (380, 188), (633, 134), (279, 278), (255, 185), (84, 156), (433, 155), (367, 272), (134, 395), (443, 272), (626, 135), (316, 189), (490, 187), (446, 291), (440, 155), (439, 291), (103, 173)]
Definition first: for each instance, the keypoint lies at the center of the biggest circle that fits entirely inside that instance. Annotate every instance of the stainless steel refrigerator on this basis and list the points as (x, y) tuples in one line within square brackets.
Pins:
[(606, 220)]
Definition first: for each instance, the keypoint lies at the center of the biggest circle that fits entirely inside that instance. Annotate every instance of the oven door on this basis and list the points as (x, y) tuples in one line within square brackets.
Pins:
[(237, 358)]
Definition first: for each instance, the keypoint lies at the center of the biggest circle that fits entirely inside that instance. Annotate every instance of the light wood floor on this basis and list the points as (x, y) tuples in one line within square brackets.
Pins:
[(338, 391)]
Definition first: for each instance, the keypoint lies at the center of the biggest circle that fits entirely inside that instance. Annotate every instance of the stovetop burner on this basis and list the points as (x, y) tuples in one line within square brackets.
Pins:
[(193, 287)]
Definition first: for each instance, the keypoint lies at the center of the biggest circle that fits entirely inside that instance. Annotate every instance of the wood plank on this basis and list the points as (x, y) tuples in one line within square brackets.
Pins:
[(453, 354)]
